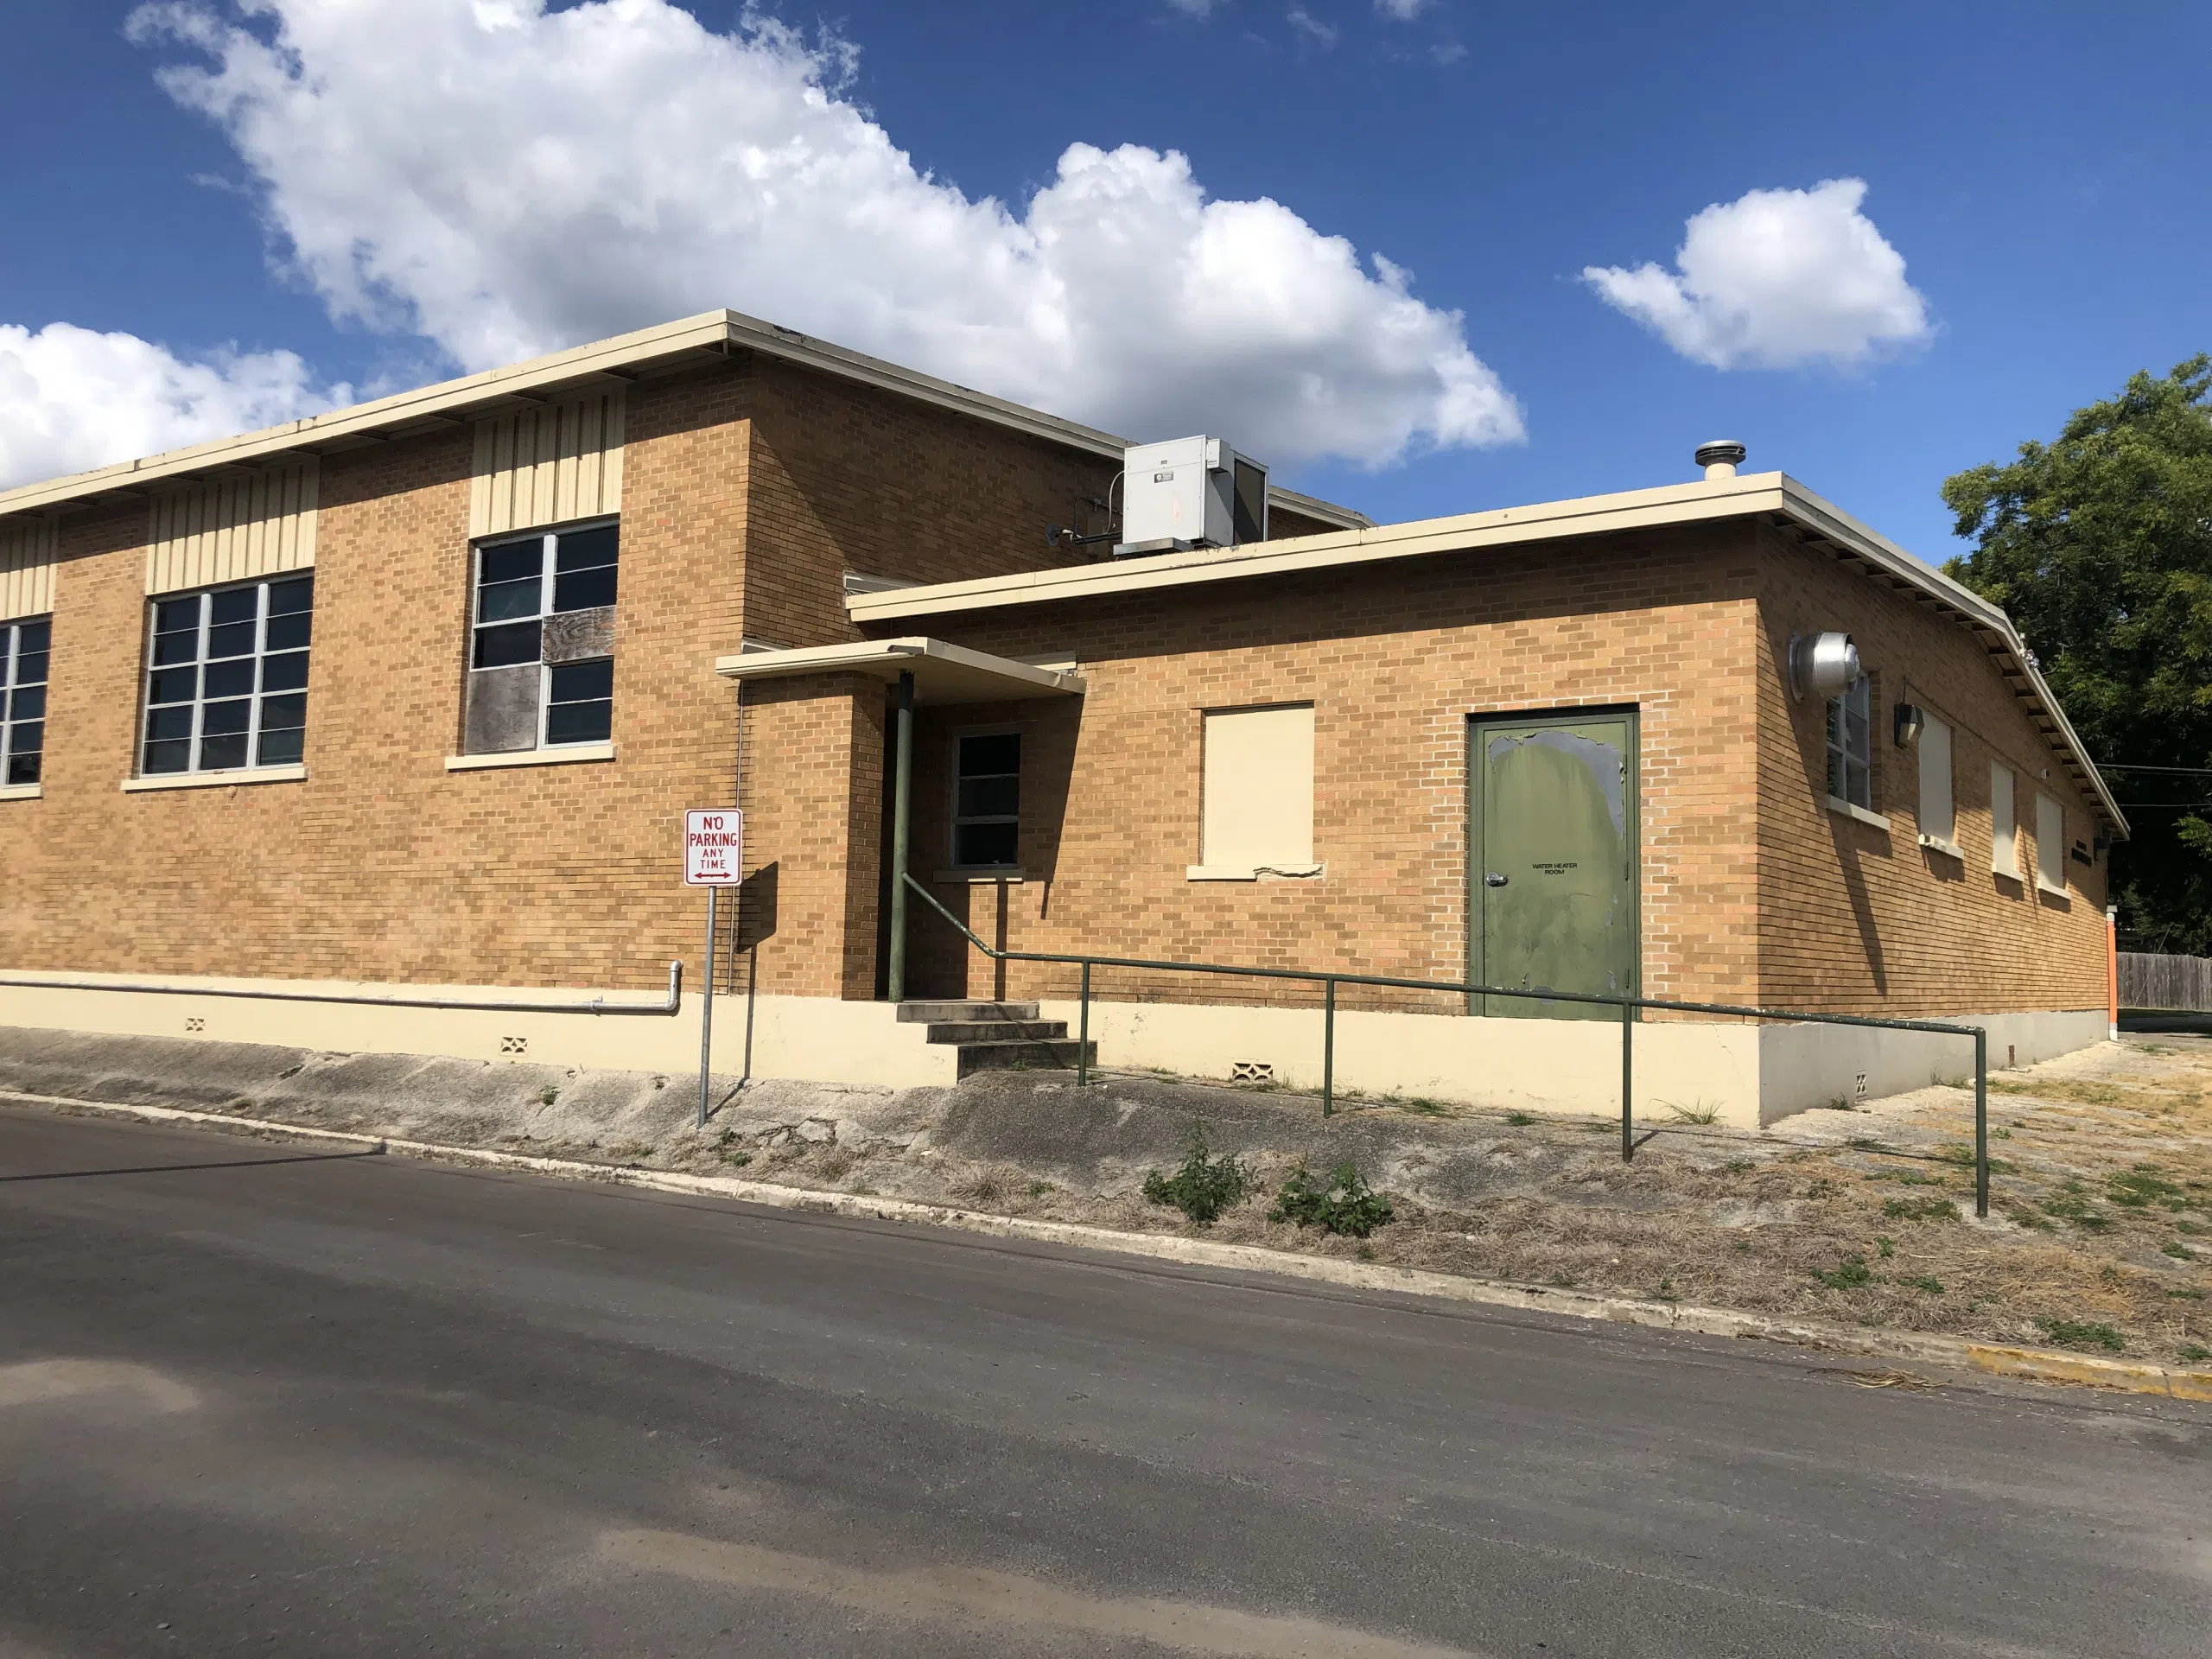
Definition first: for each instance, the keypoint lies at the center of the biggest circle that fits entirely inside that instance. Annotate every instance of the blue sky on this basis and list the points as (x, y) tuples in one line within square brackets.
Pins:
[(2039, 170)]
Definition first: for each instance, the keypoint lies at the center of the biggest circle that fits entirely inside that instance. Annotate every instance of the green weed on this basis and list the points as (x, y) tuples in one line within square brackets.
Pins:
[(1039, 1189), (2191, 1352), (1203, 1187), (1886, 1246), (1696, 1112), (1343, 1204), (2179, 1252), (1925, 1281), (1848, 1275), (1520, 1120), (1737, 1166), (2138, 1187), (2074, 1208), (2082, 1333), (547, 1095), (1920, 1210), (1957, 1152)]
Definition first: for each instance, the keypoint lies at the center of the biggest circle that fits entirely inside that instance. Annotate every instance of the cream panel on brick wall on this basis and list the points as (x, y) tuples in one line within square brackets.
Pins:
[(548, 466), (2004, 828), (26, 566), (255, 523), (1939, 818), (1257, 796)]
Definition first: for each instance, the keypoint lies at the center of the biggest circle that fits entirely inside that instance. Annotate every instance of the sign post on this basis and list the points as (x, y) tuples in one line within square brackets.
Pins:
[(713, 858)]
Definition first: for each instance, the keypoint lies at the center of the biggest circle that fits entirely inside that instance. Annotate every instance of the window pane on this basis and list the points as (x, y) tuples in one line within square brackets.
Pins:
[(579, 722), (222, 754), (497, 647), (167, 723), (29, 702), (286, 673), (1838, 787), (579, 682), (34, 638), (177, 615), (512, 562), (30, 667), (27, 738), (22, 768), (502, 601), (289, 632), (231, 639), (231, 679), (282, 748), (177, 647), (174, 685), (989, 754), (581, 549), (169, 757), (225, 717), (233, 605), (982, 843), (285, 597), (584, 590), (986, 797), (282, 714)]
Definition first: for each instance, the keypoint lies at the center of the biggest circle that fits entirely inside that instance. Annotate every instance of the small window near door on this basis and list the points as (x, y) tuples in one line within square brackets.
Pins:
[(2050, 846), (987, 801), (1851, 751), (1939, 818), (2004, 826), (1256, 805)]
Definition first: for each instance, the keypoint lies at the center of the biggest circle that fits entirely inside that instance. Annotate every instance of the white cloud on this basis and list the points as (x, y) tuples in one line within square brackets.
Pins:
[(1774, 279), (1201, 9), (72, 400), (1401, 11), (506, 180), (1310, 29)]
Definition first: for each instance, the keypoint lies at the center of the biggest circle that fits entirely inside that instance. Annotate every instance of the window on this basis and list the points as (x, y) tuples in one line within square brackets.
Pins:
[(1255, 810), (987, 801), (23, 700), (1851, 755), (542, 649), (1939, 819), (227, 684), (2004, 827), (2050, 845)]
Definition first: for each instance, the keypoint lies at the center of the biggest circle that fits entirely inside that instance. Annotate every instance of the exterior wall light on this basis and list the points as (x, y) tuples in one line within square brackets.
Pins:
[(1908, 720), (1822, 665)]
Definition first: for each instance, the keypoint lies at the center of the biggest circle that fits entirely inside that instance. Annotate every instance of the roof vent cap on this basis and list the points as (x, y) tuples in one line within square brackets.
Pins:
[(1719, 457)]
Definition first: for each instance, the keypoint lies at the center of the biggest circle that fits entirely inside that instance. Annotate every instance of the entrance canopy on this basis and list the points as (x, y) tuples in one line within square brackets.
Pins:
[(942, 673)]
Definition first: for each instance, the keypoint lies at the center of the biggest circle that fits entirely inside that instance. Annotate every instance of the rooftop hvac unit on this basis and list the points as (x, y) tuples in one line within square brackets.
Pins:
[(1190, 493)]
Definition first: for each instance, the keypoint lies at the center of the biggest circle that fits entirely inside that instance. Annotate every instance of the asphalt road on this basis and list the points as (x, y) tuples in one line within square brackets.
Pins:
[(268, 1398)]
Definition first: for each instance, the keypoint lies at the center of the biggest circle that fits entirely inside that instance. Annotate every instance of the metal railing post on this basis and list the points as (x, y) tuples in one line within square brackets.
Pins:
[(1328, 1047), (902, 800), (1980, 1122), (1083, 1031), (1628, 1081)]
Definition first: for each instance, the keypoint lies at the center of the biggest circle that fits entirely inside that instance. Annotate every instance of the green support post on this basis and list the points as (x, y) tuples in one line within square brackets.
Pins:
[(1980, 1122), (1628, 1082), (1328, 1047), (1083, 1033), (902, 800)]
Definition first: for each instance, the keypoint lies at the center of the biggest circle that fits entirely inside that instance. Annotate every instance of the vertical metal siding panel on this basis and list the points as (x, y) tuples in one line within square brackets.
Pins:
[(546, 472), (480, 480), (233, 529), (547, 466), (27, 561), (610, 479)]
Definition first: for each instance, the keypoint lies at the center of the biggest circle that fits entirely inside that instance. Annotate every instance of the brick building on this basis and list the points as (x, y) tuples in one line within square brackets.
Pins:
[(389, 717)]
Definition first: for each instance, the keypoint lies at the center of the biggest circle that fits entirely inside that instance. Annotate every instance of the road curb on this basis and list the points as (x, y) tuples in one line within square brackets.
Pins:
[(2033, 1364)]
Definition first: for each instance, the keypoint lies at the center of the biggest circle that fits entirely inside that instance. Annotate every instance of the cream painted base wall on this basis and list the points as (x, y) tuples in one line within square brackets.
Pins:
[(813, 1039), (1745, 1077)]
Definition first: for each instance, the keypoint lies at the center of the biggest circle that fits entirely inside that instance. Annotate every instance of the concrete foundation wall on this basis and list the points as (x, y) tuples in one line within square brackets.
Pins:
[(1803, 1066)]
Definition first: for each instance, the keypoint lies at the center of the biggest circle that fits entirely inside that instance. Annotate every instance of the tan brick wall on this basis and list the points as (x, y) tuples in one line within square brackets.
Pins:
[(1395, 659), (1854, 918)]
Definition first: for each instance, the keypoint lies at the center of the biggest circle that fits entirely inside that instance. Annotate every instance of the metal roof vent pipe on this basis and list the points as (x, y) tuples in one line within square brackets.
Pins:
[(1822, 666), (1721, 458)]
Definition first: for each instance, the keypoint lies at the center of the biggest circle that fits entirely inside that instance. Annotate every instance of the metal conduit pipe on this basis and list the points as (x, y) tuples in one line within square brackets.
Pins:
[(597, 1005)]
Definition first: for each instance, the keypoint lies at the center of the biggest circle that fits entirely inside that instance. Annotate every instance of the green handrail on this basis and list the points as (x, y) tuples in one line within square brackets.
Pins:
[(1627, 1005)]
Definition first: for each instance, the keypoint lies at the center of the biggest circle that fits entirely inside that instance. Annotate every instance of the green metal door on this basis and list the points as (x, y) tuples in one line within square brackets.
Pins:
[(1552, 816)]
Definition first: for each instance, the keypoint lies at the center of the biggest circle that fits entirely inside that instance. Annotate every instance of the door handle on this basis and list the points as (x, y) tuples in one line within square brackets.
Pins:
[(1493, 880)]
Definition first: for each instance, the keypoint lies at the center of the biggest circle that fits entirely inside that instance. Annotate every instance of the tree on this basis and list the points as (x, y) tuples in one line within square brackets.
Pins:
[(2099, 545)]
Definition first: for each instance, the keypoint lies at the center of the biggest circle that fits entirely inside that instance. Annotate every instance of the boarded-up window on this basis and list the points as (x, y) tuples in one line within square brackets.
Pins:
[(26, 568), (256, 522), (2004, 826), (1257, 811), (1938, 820), (548, 466), (2050, 845)]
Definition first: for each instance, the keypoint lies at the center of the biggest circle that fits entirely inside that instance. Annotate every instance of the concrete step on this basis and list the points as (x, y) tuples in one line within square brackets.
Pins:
[(932, 1014), (998, 1030), (1007, 1057)]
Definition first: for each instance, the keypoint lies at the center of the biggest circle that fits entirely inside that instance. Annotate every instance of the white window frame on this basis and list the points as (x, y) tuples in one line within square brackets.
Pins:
[(256, 698), (1861, 691), (1937, 817), (957, 819), (11, 656), (2050, 847), (2005, 830), (547, 540)]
